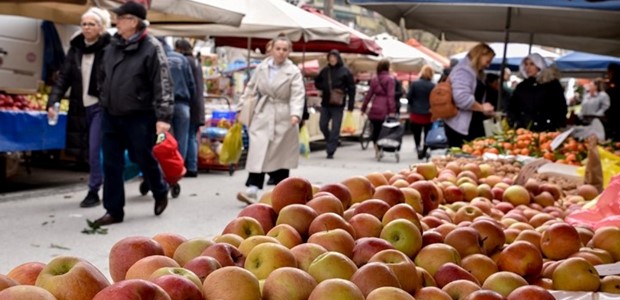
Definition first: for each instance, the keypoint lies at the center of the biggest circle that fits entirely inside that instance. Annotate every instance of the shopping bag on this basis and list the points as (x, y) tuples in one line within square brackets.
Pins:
[(304, 142), (436, 138), (166, 151), (232, 145), (348, 123)]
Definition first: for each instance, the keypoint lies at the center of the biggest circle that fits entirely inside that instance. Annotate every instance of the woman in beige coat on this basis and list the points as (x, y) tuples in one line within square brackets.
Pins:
[(274, 132)]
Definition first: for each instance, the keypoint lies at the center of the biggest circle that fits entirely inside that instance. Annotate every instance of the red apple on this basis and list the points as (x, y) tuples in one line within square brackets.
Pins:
[(365, 225), (68, 277), (299, 216), (129, 250), (202, 266), (263, 213), (244, 227), (26, 273), (430, 194), (292, 190), (225, 254), (366, 247), (340, 191), (169, 242), (26, 292)]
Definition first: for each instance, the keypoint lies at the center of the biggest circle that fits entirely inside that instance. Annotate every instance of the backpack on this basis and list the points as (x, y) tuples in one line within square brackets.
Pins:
[(441, 102)]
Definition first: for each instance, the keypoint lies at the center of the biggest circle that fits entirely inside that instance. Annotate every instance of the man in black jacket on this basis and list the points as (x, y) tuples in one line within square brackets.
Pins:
[(334, 76), (137, 100)]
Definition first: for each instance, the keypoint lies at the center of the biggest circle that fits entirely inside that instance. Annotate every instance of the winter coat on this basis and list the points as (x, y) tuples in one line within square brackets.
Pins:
[(538, 105), (380, 96), (181, 75), (341, 78), (197, 106), (136, 78), (418, 94), (274, 142), (464, 81), (70, 76)]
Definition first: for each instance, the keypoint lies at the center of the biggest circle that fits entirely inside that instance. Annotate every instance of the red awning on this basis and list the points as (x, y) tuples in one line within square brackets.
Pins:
[(359, 42)]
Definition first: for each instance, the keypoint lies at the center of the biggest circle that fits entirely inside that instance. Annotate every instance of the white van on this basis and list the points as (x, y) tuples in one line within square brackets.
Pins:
[(22, 43)]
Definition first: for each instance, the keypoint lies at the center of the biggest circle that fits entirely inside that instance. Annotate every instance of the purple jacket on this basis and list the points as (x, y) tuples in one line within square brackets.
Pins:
[(381, 95)]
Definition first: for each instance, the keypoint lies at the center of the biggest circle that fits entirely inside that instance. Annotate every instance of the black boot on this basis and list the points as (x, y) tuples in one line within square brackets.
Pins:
[(92, 199)]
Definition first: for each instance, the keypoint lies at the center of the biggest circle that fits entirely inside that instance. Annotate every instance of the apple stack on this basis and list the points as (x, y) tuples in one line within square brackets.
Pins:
[(458, 232)]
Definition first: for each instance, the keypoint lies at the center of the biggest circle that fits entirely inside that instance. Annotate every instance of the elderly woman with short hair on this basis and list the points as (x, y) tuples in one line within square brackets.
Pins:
[(79, 72)]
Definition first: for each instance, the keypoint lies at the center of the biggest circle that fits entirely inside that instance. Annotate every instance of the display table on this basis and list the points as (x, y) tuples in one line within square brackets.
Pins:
[(29, 131)]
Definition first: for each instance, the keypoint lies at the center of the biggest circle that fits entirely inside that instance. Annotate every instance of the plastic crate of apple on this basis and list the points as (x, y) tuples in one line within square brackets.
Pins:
[(422, 233), (31, 102), (524, 142)]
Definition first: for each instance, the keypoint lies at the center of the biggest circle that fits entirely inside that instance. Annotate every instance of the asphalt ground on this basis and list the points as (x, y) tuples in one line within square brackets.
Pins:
[(40, 223)]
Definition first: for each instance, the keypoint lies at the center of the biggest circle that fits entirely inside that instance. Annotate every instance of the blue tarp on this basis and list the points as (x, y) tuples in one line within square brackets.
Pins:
[(584, 62), (29, 131)]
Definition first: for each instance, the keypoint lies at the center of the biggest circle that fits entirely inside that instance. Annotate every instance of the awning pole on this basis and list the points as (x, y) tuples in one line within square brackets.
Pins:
[(249, 56), (503, 66)]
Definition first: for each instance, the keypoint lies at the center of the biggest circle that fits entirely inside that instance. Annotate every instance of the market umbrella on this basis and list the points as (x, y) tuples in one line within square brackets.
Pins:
[(592, 26), (160, 11), (358, 41), (402, 57), (265, 19), (440, 59), (581, 64), (514, 55)]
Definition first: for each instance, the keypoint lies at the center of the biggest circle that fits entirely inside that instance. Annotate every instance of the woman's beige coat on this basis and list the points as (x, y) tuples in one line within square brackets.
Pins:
[(274, 142)]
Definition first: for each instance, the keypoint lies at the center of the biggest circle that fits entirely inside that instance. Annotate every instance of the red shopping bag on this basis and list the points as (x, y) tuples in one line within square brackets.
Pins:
[(166, 151)]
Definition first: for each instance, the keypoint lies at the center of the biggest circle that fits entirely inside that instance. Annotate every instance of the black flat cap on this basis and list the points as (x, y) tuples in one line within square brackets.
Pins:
[(131, 8)]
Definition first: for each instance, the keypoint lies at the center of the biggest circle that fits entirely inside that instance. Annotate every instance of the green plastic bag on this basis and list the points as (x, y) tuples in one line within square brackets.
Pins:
[(232, 145), (304, 142)]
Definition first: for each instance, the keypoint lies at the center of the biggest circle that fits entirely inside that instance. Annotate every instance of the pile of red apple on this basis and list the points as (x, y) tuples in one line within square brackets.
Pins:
[(17, 102), (426, 233)]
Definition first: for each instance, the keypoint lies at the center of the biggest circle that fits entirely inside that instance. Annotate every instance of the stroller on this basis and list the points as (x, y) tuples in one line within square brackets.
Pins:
[(390, 138), (436, 140), (171, 163)]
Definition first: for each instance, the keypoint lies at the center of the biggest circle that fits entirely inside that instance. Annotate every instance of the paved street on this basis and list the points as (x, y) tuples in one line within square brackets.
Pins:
[(41, 225)]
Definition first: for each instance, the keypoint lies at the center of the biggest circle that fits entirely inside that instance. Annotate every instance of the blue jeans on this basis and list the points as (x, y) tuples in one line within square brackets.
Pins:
[(135, 133), (180, 126), (93, 121), (191, 161)]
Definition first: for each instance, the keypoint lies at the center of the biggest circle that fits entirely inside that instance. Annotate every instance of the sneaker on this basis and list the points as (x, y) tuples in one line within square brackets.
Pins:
[(246, 198), (92, 199), (270, 181), (330, 156)]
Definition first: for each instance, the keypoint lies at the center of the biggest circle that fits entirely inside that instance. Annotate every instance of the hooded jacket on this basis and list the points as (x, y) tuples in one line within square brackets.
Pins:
[(136, 78), (538, 103), (341, 78)]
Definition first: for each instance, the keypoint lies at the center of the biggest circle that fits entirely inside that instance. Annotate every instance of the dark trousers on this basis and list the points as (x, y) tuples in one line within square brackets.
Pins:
[(376, 129), (135, 133), (258, 179), (416, 129), (93, 121), (331, 134)]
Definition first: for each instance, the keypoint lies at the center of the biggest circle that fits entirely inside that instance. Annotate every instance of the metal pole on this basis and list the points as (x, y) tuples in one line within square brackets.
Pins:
[(328, 8), (249, 56), (529, 50), (503, 66)]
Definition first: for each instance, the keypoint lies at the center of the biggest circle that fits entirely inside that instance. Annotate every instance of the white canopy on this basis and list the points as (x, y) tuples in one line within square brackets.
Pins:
[(160, 11), (266, 19)]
